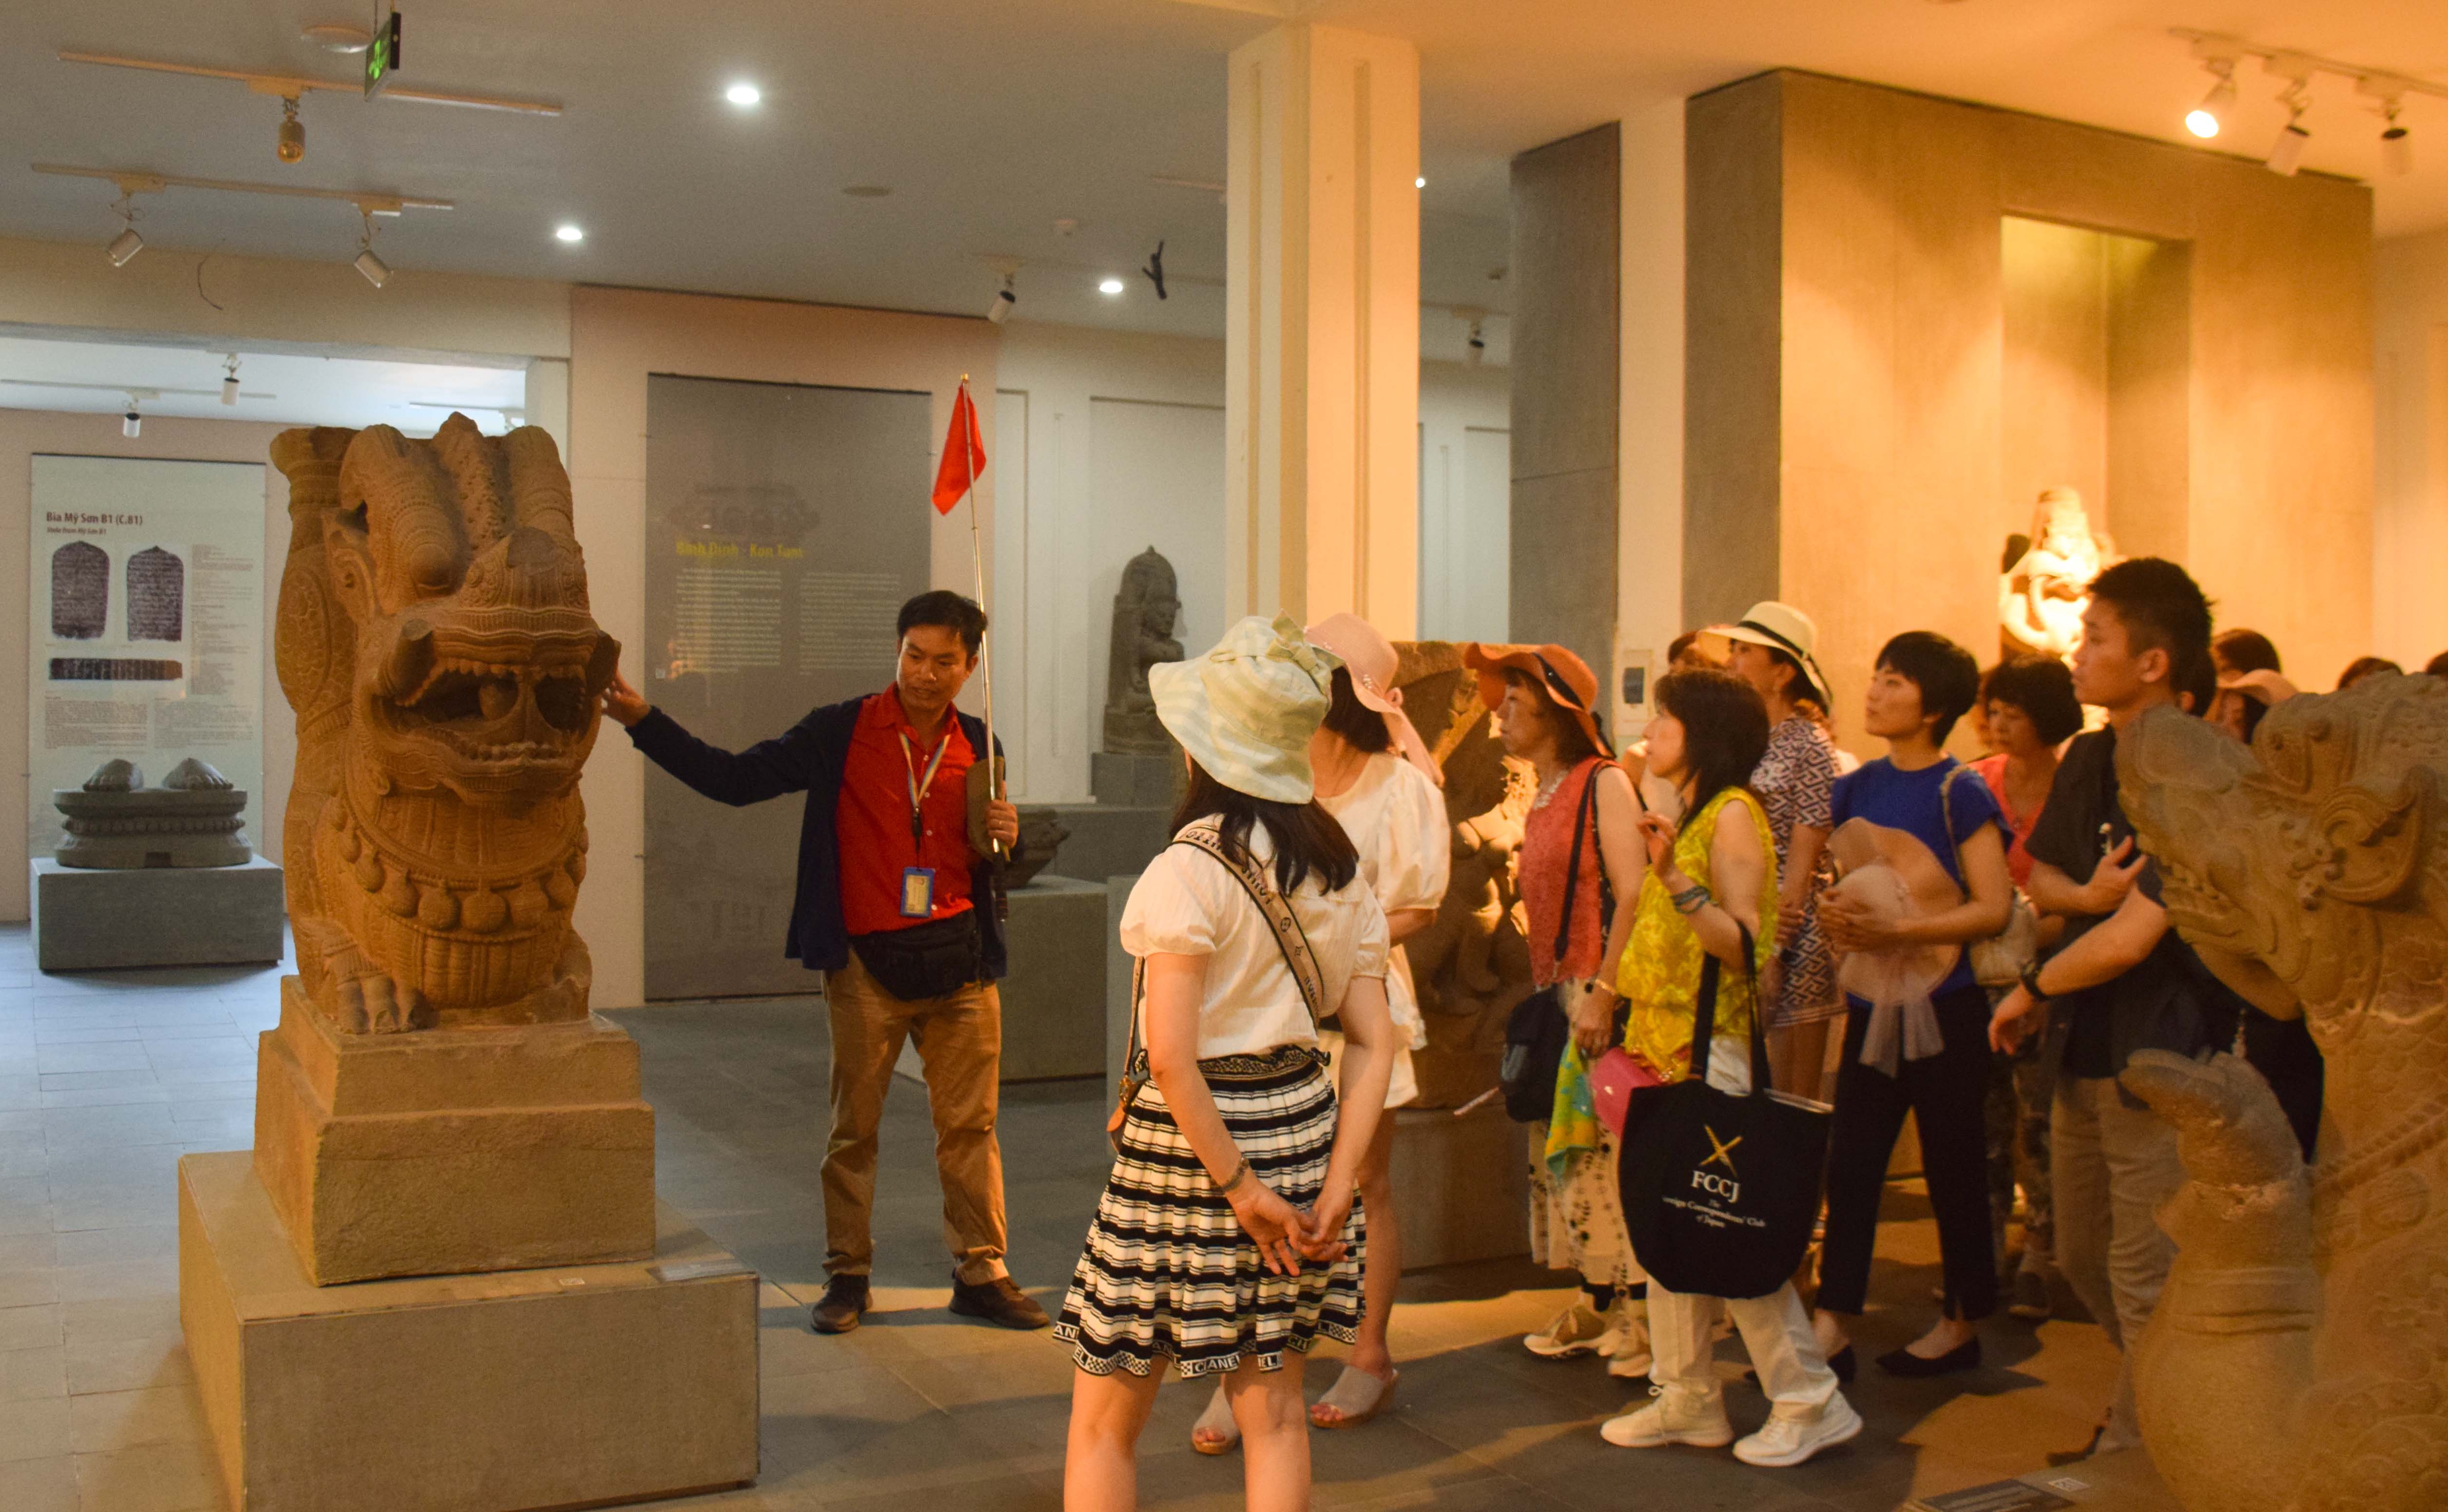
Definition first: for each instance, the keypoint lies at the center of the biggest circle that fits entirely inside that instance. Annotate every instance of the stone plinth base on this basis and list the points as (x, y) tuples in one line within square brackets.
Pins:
[(2124, 1481), (87, 918), (452, 1150), (1110, 841), (494, 1393), (1054, 998), (1462, 1184), (1128, 780)]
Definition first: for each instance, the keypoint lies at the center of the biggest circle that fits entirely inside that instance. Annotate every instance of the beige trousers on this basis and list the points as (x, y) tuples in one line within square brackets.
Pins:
[(960, 1043)]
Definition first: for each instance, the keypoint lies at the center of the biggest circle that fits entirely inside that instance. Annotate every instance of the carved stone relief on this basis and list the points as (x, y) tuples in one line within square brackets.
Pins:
[(1147, 614)]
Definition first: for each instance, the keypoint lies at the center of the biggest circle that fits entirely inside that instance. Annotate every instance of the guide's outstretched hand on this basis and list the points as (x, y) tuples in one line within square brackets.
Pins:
[(622, 704)]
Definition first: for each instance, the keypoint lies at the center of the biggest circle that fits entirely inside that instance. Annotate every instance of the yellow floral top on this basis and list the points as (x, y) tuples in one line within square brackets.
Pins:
[(1660, 979), (1660, 974)]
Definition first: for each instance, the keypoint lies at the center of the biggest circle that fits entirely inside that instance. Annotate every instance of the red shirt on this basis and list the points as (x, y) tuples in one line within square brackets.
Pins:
[(871, 817)]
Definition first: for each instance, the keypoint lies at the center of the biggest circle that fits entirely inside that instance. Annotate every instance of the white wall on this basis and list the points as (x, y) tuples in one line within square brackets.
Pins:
[(2410, 504), (24, 432), (1465, 517)]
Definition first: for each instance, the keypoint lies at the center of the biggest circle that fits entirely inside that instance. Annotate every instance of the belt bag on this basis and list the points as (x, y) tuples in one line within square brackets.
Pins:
[(1281, 922), (933, 960)]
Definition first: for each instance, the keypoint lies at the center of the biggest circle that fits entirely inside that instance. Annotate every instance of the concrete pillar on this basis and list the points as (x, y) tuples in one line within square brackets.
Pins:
[(1565, 281), (1322, 337)]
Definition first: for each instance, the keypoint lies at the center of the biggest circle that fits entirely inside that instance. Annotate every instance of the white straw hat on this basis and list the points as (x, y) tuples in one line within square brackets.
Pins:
[(1245, 711), (1779, 627)]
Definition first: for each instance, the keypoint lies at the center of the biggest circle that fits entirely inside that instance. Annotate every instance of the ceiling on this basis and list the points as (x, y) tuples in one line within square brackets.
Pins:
[(991, 120), (284, 387)]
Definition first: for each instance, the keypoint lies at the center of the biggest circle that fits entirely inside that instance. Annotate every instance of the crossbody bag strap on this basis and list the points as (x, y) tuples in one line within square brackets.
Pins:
[(1584, 815), (1281, 922)]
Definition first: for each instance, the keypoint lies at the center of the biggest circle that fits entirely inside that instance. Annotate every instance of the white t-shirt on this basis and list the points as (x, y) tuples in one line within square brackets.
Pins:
[(1396, 819), (1186, 904)]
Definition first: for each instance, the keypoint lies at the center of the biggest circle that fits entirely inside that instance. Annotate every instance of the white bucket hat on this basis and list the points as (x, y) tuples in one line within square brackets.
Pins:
[(1779, 627), (1245, 711)]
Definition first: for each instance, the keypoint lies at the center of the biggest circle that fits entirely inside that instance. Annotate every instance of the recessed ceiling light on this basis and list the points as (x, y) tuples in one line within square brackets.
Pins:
[(868, 191), (332, 38), (1110, 286), (1420, 183), (570, 234), (743, 94)]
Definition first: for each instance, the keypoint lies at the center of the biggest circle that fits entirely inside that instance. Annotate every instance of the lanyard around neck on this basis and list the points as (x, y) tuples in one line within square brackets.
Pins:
[(918, 785)]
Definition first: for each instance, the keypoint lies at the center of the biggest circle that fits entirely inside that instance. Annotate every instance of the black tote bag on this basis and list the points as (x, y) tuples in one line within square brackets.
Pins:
[(1720, 1191)]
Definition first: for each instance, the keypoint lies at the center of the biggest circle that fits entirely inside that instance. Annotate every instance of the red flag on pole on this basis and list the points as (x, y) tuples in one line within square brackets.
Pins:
[(964, 454)]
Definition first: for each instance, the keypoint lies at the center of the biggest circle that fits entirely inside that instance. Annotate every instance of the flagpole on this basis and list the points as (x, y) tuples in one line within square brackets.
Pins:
[(978, 566)]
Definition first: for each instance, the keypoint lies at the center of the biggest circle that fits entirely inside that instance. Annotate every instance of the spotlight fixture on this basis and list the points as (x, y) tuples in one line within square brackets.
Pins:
[(743, 94), (1110, 286), (123, 247), (229, 381), (1420, 182), (1155, 270), (2396, 144), (130, 424), (334, 38), (290, 145), (1475, 350), (2205, 119), (570, 232), (1000, 310), (377, 271), (2286, 153)]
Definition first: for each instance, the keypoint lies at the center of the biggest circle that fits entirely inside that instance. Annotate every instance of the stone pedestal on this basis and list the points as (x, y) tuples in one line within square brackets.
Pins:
[(1134, 782), (1110, 840), (496, 1393), (86, 919), (452, 1150), (1464, 1185), (1054, 998)]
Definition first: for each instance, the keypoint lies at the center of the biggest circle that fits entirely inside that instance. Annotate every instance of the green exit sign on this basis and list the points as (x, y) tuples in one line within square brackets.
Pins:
[(382, 56)]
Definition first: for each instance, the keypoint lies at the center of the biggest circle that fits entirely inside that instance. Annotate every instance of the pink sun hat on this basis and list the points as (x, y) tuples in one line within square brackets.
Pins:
[(1372, 662)]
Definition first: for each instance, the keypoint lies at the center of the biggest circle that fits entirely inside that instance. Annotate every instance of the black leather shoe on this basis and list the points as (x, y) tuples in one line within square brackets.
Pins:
[(845, 1299), (1964, 1356), (998, 1301)]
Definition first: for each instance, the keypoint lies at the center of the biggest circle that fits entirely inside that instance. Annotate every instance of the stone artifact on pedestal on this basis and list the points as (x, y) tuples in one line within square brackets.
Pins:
[(438, 1098), (2299, 1356), (1139, 765), (2046, 585), (194, 819), (1041, 834)]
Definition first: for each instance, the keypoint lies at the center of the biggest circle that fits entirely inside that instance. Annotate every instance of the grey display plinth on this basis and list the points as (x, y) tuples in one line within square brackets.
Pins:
[(1054, 996), (1462, 1185), (1134, 782), (1108, 839), (86, 920)]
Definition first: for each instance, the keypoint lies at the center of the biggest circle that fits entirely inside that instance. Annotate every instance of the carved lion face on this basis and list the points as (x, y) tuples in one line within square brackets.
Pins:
[(477, 660), (2310, 857)]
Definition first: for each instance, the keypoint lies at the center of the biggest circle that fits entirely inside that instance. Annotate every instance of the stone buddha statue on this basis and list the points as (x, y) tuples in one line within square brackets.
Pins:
[(1146, 614), (2047, 585)]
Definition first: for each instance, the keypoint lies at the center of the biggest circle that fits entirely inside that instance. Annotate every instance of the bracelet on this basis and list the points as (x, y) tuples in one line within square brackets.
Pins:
[(1233, 1180), (1692, 898), (2031, 980)]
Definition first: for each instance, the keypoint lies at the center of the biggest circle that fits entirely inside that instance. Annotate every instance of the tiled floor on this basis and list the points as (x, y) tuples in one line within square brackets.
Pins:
[(107, 1079)]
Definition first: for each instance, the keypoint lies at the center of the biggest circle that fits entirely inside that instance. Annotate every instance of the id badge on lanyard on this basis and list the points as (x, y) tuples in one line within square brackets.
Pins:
[(918, 882)]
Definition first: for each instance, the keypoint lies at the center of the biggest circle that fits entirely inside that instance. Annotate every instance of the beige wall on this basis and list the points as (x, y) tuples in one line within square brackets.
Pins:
[(2410, 524), (25, 432), (1892, 500), (619, 336)]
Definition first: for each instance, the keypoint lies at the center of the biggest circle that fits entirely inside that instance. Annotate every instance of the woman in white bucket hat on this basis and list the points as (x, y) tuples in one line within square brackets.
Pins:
[(1771, 648), (1229, 1232), (1374, 775)]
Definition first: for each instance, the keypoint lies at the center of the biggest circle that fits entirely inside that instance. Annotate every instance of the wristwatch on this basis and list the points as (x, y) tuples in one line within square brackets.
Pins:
[(2031, 980)]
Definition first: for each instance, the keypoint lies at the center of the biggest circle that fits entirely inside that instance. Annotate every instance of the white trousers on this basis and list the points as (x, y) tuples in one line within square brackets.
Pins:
[(1774, 1328)]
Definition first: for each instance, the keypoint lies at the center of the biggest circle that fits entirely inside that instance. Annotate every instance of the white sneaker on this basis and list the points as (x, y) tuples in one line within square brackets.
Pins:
[(1783, 1441), (1574, 1331), (1672, 1417), (1625, 1344)]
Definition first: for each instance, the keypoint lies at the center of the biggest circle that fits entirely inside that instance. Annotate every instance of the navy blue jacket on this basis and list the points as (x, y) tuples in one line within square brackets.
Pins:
[(807, 758)]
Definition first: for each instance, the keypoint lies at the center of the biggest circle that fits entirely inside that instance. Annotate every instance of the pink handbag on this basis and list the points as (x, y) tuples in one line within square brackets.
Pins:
[(1613, 1080)]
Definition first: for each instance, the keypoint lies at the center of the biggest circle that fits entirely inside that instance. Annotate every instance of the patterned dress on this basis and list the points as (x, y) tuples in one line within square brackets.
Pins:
[(1796, 780)]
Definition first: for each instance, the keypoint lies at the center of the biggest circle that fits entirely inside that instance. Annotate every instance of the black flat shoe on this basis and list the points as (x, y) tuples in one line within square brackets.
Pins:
[(1842, 1362), (1965, 1356)]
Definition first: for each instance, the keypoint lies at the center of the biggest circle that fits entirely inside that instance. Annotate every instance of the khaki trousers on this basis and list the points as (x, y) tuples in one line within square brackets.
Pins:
[(960, 1043), (2110, 1167)]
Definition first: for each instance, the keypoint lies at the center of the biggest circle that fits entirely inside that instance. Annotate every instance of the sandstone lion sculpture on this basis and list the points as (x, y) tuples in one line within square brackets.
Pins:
[(436, 641), (2298, 1361)]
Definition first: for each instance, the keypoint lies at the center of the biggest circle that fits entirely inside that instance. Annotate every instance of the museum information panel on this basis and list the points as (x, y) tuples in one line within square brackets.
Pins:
[(785, 526), (146, 624)]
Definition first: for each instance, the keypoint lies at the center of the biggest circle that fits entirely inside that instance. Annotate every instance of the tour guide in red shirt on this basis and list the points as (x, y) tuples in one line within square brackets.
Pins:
[(887, 909)]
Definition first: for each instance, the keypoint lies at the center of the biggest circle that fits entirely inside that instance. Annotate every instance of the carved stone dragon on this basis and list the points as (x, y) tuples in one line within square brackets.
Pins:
[(434, 639), (2298, 1361)]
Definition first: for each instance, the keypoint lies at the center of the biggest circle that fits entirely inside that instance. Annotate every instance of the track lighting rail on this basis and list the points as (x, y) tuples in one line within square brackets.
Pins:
[(136, 181), (289, 86), (2379, 82)]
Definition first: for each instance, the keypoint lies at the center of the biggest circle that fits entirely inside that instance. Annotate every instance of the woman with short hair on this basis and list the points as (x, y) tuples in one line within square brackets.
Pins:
[(1229, 1234)]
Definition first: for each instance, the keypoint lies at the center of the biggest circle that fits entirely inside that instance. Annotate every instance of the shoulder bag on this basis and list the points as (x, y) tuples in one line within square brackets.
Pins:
[(1539, 1027), (2000, 959), (1299, 959), (1720, 1190)]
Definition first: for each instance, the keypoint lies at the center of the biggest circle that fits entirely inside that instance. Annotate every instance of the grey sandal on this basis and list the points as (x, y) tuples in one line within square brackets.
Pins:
[(1358, 1395), (1217, 1420)]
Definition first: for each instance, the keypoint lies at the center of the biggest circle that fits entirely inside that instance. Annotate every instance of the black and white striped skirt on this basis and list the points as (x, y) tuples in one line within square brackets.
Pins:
[(1168, 1272)]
